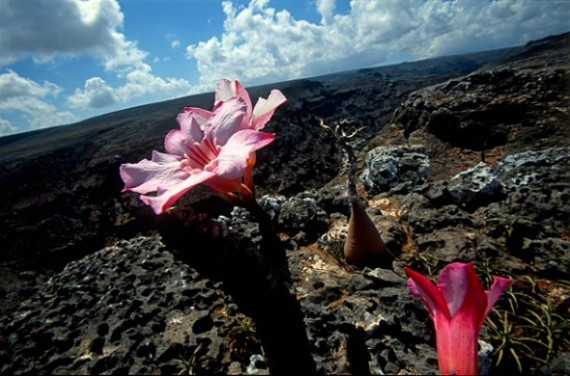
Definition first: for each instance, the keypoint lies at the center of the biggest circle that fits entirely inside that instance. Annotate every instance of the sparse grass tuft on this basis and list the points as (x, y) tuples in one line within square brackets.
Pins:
[(526, 328)]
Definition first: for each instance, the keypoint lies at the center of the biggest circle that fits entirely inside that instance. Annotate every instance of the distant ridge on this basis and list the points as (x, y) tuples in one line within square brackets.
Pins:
[(456, 64), (463, 63)]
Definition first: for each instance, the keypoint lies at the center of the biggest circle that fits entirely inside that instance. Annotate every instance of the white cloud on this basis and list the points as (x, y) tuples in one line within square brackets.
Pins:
[(50, 119), (22, 94), (42, 29), (6, 127), (326, 10), (260, 44), (173, 39), (26, 104), (139, 81), (31, 99), (78, 27), (13, 85), (471, 26), (95, 94)]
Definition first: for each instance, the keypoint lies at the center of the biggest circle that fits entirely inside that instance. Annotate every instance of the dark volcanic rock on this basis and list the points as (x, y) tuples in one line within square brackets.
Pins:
[(129, 308), (481, 110), (505, 108), (475, 187), (354, 318), (334, 199), (395, 168), (522, 200), (302, 218)]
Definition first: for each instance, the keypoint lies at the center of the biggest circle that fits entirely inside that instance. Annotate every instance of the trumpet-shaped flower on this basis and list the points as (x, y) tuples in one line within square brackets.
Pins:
[(458, 306), (214, 148)]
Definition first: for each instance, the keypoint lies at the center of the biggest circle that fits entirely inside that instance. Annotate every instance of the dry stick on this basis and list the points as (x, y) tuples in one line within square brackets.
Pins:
[(363, 242)]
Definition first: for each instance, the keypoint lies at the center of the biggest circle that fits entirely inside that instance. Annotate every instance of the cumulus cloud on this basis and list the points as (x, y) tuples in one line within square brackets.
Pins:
[(45, 30), (465, 26), (326, 10), (141, 81), (13, 85), (95, 94), (42, 29), (26, 104), (31, 99), (22, 94), (6, 127), (260, 44), (50, 119)]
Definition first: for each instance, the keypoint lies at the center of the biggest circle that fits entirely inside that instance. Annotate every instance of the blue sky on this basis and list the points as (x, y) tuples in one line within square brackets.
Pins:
[(62, 61)]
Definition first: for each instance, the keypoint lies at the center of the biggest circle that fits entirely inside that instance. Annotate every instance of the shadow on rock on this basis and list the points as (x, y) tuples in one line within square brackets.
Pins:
[(250, 260)]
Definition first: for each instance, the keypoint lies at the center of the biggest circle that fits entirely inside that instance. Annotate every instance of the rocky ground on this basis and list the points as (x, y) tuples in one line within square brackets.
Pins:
[(469, 165)]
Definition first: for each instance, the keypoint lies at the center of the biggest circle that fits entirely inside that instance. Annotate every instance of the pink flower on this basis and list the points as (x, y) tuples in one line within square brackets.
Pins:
[(214, 148), (458, 306)]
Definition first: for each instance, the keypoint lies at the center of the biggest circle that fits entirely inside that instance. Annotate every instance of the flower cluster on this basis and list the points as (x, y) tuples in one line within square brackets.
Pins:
[(215, 148)]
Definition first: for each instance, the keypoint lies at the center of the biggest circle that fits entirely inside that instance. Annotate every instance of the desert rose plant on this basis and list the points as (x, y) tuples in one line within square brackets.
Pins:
[(458, 306), (215, 148)]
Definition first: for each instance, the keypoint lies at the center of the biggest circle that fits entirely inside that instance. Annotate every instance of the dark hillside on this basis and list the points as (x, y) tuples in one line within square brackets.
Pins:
[(61, 186)]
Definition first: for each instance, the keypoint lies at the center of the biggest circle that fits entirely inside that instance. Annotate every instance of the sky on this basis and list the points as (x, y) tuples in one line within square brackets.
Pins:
[(62, 61)]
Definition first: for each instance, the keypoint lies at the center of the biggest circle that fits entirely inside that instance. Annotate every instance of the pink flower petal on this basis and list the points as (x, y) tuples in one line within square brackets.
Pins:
[(499, 286), (146, 176), (176, 143), (167, 195), (455, 281), (264, 109), (462, 292), (199, 114), (454, 331), (232, 160), (457, 346), (466, 300), (163, 158), (190, 125), (226, 90), (225, 121), (423, 288)]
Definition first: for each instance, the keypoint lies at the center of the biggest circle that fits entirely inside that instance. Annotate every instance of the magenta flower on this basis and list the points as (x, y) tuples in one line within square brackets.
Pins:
[(214, 148), (458, 306)]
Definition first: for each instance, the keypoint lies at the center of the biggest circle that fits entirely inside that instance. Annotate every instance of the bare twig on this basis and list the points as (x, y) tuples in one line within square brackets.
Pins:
[(342, 139)]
